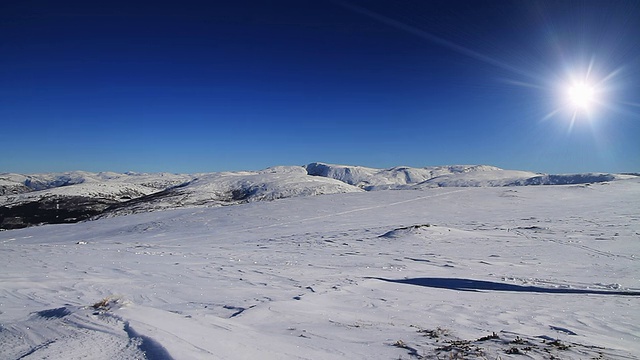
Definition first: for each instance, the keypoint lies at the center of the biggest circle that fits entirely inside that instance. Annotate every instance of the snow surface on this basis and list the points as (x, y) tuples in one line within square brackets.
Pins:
[(429, 273)]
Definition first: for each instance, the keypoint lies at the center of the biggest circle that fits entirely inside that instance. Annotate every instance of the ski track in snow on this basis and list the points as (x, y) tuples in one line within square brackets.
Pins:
[(550, 271)]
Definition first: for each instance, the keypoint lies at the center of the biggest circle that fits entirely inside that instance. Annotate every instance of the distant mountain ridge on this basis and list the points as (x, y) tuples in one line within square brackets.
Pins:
[(403, 177), (27, 200)]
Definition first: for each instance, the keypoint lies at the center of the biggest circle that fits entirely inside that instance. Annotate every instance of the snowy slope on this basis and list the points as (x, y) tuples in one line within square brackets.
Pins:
[(69, 197), (237, 187), (17, 188), (116, 191), (376, 179), (13, 184), (448, 176), (515, 178), (474, 273), (35, 182)]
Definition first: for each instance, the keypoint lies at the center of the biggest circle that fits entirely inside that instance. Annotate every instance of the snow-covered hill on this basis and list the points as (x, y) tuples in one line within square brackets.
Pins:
[(228, 188), (396, 177), (73, 196), (36, 182), (448, 176)]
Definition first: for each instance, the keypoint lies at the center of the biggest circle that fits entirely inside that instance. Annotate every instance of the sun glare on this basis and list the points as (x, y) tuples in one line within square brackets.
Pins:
[(581, 95)]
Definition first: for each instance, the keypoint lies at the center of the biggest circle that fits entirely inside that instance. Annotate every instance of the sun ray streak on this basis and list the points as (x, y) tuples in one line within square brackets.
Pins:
[(610, 76), (436, 39), (550, 115), (573, 121), (629, 103), (524, 84), (589, 69), (621, 110)]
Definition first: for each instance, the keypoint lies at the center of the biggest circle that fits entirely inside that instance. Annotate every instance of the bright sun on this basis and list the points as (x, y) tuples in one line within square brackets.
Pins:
[(581, 95)]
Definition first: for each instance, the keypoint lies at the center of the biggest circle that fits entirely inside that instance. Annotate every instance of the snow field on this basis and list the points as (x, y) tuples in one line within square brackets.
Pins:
[(552, 270)]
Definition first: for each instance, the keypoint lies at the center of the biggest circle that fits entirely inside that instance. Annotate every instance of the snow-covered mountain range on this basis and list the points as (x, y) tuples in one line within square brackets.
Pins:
[(74, 196)]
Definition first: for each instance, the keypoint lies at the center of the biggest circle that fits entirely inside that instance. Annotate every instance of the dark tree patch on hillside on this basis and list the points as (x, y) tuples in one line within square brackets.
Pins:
[(58, 210)]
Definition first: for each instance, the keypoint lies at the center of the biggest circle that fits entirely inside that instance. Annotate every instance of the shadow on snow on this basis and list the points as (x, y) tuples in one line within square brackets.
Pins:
[(482, 285), (151, 348)]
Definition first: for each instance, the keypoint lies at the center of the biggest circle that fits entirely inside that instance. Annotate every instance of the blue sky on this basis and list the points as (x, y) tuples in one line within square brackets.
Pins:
[(199, 86)]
